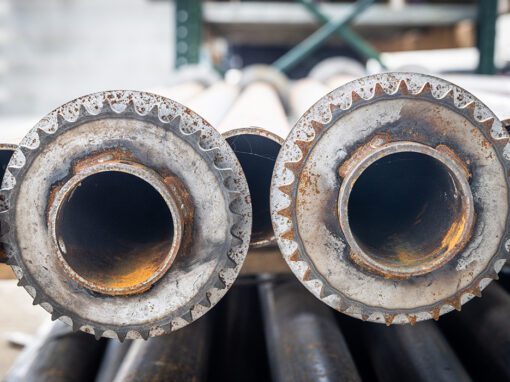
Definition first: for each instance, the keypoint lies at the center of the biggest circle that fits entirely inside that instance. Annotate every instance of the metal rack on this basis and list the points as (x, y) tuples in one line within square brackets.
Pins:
[(335, 19)]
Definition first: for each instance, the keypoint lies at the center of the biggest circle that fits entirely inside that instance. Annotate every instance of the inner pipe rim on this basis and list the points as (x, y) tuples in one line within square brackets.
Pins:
[(460, 177), (139, 171)]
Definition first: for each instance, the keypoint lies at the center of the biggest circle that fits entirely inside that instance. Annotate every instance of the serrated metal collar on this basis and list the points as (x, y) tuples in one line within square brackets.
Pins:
[(158, 132)]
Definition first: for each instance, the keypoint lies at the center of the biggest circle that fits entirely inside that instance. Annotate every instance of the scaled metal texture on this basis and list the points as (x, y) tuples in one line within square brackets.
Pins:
[(171, 148), (463, 240)]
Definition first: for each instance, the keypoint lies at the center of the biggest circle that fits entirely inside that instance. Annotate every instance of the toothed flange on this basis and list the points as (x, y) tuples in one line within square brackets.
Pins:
[(170, 141), (379, 112)]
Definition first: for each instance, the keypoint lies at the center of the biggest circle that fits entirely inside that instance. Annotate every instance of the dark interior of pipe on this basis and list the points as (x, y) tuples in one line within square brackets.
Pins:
[(257, 155), (5, 157), (115, 230), (402, 207)]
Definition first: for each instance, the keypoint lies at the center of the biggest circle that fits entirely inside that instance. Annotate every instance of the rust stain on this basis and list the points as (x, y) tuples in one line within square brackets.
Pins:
[(402, 88), (376, 141), (452, 155), (288, 235), (317, 126), (435, 313), (307, 274), (388, 318), (287, 189), (294, 256), (286, 212)]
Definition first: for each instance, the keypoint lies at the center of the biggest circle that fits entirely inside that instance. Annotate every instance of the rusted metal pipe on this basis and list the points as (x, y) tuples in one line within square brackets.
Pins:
[(405, 353), (59, 356), (383, 191), (132, 196), (481, 333), (180, 356), (304, 342)]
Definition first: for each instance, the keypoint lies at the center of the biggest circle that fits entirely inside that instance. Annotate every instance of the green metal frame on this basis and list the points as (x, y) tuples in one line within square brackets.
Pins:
[(188, 32), (486, 35), (340, 27)]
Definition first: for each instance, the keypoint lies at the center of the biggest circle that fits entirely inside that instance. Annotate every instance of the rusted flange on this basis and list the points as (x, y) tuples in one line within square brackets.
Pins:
[(98, 147), (390, 198), (408, 256), (148, 263)]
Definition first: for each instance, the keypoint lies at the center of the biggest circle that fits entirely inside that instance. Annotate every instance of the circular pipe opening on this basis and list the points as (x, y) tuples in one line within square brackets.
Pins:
[(116, 232), (409, 210), (257, 155)]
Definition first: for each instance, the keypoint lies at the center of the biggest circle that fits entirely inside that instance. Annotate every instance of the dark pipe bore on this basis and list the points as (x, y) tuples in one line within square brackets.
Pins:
[(115, 230), (257, 155), (402, 208)]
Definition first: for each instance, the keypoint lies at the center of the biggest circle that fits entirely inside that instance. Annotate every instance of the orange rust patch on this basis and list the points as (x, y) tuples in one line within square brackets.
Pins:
[(101, 157), (452, 155), (376, 141)]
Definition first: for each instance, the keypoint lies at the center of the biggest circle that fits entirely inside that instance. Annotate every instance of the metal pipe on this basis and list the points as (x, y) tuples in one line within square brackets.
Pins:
[(131, 196), (258, 106), (213, 103), (374, 195), (238, 341), (482, 333), (60, 355), (180, 356), (303, 94), (304, 342), (406, 353), (181, 92), (113, 357)]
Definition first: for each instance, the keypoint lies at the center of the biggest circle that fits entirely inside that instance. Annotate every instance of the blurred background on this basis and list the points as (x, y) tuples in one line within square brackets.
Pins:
[(56, 50), (53, 51)]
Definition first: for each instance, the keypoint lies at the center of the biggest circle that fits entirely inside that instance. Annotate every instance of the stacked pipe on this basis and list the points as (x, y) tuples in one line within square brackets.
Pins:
[(128, 215), (304, 340)]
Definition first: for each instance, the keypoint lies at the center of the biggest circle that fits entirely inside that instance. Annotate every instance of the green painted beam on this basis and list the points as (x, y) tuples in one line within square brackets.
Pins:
[(345, 33), (486, 35), (188, 32), (304, 49)]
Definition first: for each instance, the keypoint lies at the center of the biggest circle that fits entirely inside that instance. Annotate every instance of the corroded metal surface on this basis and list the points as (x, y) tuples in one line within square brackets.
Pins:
[(166, 140), (306, 186), (410, 254)]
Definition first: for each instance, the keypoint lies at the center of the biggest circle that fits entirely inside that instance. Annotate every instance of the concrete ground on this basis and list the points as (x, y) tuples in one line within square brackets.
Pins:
[(17, 315)]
